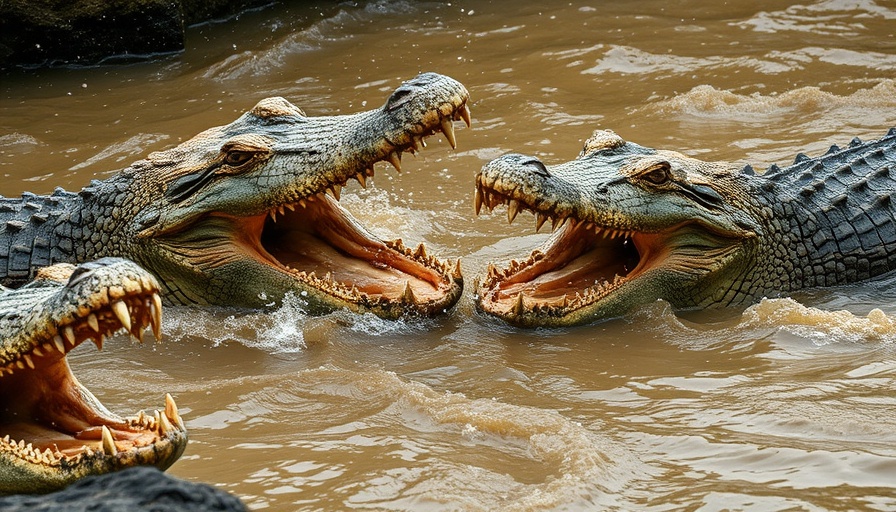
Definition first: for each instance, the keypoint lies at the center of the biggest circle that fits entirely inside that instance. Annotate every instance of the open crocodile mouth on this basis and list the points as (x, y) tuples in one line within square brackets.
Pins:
[(48, 419), (584, 265), (581, 263), (317, 242)]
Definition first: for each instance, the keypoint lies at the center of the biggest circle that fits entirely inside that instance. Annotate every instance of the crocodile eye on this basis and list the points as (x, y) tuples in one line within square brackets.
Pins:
[(658, 173), (237, 158)]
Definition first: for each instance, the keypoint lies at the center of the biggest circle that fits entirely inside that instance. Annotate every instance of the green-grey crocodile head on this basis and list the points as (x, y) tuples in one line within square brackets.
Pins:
[(632, 225), (242, 214), (53, 431)]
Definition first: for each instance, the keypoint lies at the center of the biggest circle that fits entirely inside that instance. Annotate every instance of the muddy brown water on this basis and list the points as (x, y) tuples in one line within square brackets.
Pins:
[(788, 405)]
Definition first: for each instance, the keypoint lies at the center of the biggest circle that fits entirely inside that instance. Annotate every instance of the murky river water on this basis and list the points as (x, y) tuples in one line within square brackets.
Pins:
[(788, 405)]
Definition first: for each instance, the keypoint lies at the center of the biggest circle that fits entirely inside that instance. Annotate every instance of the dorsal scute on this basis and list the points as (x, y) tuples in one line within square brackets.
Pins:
[(275, 107), (601, 140)]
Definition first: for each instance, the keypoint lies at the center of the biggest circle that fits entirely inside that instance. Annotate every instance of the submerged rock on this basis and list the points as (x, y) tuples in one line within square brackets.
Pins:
[(135, 490)]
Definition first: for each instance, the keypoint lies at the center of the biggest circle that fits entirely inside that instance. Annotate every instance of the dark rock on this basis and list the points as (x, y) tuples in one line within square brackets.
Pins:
[(138, 489), (51, 32)]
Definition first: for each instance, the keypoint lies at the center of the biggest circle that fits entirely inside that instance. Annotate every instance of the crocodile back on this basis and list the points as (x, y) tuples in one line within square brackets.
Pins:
[(35, 231), (837, 212)]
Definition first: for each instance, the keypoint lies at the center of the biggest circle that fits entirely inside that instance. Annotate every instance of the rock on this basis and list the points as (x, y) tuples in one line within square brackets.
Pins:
[(49, 32), (138, 489)]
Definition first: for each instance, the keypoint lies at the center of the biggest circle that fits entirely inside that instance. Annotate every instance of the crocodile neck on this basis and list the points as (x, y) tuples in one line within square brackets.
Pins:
[(63, 227)]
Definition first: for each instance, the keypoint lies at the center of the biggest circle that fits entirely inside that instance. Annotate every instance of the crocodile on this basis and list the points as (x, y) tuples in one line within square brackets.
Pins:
[(53, 431), (243, 214), (632, 225)]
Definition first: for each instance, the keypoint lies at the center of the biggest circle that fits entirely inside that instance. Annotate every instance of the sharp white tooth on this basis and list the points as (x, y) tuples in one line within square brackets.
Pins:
[(20, 365), (108, 442), (519, 307), (408, 296), (282, 210), (121, 312), (465, 114), (555, 221), (291, 207), (155, 316), (164, 423), (38, 351), (57, 342), (361, 179), (420, 253), (395, 159), (171, 412), (540, 219), (93, 322), (336, 190), (302, 203), (477, 200), (448, 130), (274, 215), (28, 361), (513, 207), (69, 334)]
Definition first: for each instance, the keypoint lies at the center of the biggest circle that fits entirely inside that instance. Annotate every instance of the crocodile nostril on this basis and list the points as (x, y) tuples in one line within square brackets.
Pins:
[(398, 98), (540, 169)]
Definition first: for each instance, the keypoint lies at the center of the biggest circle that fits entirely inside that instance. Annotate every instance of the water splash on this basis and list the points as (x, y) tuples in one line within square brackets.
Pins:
[(820, 326), (277, 331)]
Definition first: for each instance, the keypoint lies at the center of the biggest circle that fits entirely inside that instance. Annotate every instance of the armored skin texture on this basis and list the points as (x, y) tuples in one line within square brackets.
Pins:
[(245, 213), (53, 431), (634, 224)]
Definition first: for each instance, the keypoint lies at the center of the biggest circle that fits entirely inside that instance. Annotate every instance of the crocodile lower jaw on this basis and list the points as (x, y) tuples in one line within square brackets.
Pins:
[(54, 429), (319, 244)]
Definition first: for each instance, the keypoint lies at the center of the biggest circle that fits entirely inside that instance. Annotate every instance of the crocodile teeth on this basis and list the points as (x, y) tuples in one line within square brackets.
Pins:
[(477, 200), (464, 112), (121, 312), (457, 273), (69, 334), (171, 412), (335, 190), (93, 322), (164, 424), (38, 351), (513, 208), (408, 296), (540, 219), (155, 316), (519, 307), (420, 253), (108, 442), (57, 342), (28, 361), (362, 179), (395, 159), (448, 130), (98, 341)]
